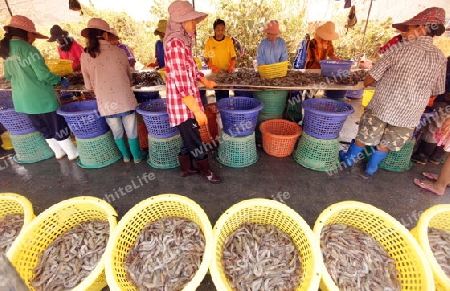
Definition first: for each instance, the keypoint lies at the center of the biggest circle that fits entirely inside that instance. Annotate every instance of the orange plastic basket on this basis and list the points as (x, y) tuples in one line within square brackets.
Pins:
[(276, 70), (279, 137)]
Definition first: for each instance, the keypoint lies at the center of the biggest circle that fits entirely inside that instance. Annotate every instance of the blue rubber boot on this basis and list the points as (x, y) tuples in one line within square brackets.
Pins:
[(375, 158), (351, 155)]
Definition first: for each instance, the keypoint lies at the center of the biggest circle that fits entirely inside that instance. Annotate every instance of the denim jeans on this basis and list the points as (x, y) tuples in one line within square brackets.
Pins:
[(117, 124)]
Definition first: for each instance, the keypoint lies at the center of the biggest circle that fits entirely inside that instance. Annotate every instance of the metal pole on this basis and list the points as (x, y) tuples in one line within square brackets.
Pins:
[(364, 32), (9, 9)]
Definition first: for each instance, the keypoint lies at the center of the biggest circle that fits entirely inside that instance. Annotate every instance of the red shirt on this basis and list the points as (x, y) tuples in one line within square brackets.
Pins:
[(182, 75), (73, 54)]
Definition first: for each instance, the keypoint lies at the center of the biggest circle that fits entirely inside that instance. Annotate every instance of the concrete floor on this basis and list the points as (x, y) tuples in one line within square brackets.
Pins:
[(50, 181)]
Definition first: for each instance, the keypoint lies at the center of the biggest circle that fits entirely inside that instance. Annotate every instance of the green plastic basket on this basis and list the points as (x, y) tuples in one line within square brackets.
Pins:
[(237, 152), (97, 152), (274, 101), (163, 152), (317, 154), (30, 148), (399, 161), (267, 116)]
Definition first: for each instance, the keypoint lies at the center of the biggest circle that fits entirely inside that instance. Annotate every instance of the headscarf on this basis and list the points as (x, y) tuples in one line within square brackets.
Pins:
[(176, 30)]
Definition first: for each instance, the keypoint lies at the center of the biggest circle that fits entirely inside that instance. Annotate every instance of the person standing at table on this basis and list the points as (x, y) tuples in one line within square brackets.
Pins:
[(68, 48), (220, 54), (159, 45), (184, 105), (32, 85), (272, 49), (106, 70), (321, 46), (114, 39), (406, 78)]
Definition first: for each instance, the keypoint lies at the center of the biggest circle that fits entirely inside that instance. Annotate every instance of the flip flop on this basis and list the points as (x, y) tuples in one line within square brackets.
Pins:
[(430, 176), (423, 184)]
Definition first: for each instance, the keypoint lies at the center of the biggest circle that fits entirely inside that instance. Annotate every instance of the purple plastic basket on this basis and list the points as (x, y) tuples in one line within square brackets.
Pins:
[(324, 118), (156, 118), (14, 122), (335, 68), (335, 93), (354, 94), (83, 119), (146, 96), (239, 115)]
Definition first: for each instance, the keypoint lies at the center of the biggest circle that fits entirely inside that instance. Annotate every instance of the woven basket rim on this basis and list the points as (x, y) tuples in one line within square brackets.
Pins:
[(264, 130), (306, 107), (26, 205), (61, 109), (259, 107), (140, 108)]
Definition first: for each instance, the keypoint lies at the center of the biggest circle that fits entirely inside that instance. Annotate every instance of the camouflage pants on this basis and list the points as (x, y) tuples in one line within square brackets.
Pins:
[(373, 131)]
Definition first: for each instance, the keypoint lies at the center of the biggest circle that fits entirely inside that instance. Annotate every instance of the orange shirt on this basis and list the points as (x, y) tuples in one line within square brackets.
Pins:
[(316, 52)]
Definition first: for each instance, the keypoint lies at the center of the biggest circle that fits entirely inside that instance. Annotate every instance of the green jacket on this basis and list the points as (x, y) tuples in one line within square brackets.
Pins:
[(31, 80)]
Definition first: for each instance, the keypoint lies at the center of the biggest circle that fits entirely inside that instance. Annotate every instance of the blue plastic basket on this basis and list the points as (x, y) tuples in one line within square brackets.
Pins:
[(146, 96), (5, 95), (335, 93), (354, 94), (83, 119), (239, 115), (156, 118), (14, 122), (324, 118), (335, 68)]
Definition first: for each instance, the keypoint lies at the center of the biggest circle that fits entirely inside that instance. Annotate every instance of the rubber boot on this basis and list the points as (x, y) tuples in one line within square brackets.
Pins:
[(375, 158), (186, 166), (437, 155), (122, 145), (205, 171), (56, 148), (424, 150), (136, 152), (351, 155), (70, 149)]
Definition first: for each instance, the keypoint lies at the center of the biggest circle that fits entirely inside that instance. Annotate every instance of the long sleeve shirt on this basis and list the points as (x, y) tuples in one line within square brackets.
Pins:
[(316, 52), (159, 54), (74, 54), (31, 80), (182, 75), (272, 52)]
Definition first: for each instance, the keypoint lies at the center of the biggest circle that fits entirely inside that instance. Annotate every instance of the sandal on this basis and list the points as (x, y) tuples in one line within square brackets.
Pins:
[(424, 185), (430, 176)]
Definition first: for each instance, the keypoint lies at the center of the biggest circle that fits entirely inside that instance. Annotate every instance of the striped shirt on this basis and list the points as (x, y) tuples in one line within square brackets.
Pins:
[(407, 76), (182, 75)]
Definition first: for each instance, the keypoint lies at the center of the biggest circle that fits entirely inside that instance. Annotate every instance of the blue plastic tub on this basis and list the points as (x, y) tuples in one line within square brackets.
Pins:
[(156, 118), (354, 94), (336, 94), (335, 68)]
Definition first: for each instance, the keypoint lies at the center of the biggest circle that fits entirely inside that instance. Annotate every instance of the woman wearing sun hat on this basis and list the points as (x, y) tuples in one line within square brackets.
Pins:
[(68, 48), (32, 85), (321, 46), (106, 70), (272, 49), (159, 46), (114, 39), (183, 98)]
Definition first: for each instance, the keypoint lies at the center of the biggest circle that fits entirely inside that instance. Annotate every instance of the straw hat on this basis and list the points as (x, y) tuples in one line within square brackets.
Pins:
[(162, 25), (181, 11), (327, 31), (97, 23), (113, 31), (432, 15), (272, 27), (56, 32), (24, 23)]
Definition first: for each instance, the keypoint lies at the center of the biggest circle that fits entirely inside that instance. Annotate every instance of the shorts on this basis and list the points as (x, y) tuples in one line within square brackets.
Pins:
[(373, 131)]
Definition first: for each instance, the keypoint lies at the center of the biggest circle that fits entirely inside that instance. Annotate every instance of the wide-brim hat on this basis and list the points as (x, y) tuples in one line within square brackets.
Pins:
[(97, 23), (56, 32), (181, 11), (113, 31), (327, 31), (272, 27), (162, 26), (24, 23), (432, 15)]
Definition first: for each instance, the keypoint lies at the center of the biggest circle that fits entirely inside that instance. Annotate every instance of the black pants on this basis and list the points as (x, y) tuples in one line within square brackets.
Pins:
[(51, 125), (2, 129), (192, 142)]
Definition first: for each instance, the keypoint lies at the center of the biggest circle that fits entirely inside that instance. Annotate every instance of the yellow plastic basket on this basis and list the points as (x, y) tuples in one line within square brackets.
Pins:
[(438, 217), (412, 266), (12, 203), (59, 67), (47, 226), (131, 225), (276, 70), (268, 212)]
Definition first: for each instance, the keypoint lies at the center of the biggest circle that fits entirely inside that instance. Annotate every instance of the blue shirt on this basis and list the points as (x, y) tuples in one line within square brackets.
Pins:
[(271, 52), (159, 52)]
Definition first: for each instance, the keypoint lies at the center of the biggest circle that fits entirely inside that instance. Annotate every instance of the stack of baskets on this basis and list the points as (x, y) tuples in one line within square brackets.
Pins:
[(29, 144), (95, 142), (274, 104), (164, 141), (239, 117), (319, 145)]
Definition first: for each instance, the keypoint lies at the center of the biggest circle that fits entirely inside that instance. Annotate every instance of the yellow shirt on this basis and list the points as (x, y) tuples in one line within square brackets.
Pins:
[(220, 52)]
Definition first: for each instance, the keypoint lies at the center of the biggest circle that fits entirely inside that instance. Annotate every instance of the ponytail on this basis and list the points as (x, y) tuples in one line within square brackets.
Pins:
[(93, 47), (4, 43)]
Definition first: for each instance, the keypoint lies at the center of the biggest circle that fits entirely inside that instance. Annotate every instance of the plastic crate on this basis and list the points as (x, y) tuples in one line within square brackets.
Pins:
[(274, 101), (239, 115), (14, 122), (324, 118), (83, 119), (271, 71), (131, 225), (156, 118), (30, 148), (413, 270), (37, 236), (317, 154), (279, 137), (237, 151), (438, 217), (335, 68), (163, 152), (97, 152), (59, 67), (268, 212)]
